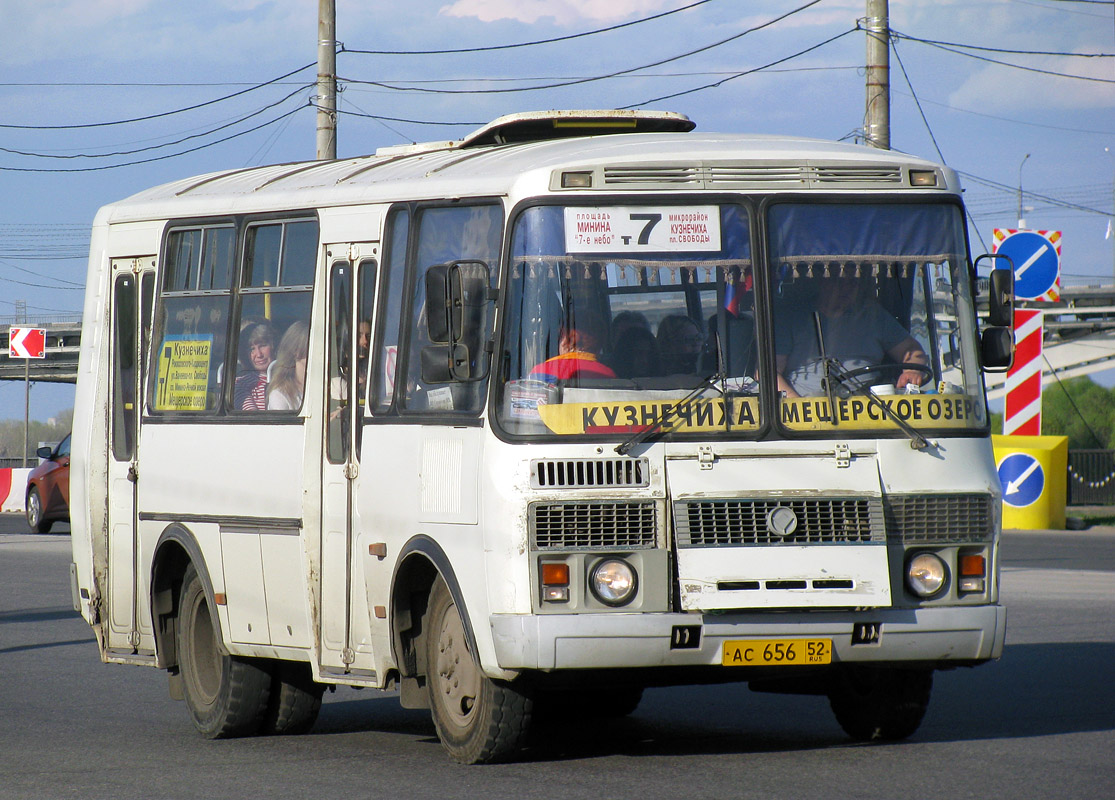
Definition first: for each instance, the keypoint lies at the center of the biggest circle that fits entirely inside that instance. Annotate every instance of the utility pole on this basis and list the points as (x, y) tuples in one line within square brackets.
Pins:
[(326, 80), (877, 119)]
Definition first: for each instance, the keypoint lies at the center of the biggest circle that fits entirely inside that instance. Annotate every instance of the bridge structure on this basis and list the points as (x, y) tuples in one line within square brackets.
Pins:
[(1079, 340)]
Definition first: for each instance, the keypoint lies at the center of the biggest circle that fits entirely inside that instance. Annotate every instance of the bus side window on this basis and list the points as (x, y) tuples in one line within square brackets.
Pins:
[(273, 316), (192, 319), (391, 302), (446, 234)]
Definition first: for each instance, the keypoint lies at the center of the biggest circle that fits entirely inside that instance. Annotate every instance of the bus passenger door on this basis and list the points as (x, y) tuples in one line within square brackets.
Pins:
[(346, 635), (133, 284)]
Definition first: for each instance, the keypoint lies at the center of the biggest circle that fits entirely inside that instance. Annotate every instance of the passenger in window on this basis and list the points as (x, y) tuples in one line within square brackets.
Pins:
[(625, 321), (636, 354), (257, 345), (579, 346), (680, 342), (363, 349), (288, 378), (858, 332)]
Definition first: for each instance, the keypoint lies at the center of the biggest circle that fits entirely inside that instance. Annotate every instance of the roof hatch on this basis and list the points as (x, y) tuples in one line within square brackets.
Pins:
[(533, 126)]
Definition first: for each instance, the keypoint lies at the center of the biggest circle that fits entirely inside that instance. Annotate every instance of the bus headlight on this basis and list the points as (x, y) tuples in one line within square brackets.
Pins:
[(926, 574), (613, 582)]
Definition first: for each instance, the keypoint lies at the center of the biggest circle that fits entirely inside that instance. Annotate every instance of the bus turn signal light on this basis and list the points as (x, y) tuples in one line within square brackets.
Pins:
[(971, 566), (555, 582), (973, 569)]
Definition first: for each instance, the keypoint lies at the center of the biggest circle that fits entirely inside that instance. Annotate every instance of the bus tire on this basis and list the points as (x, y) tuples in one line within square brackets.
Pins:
[(478, 720), (35, 513), (226, 695), (884, 704), (295, 699)]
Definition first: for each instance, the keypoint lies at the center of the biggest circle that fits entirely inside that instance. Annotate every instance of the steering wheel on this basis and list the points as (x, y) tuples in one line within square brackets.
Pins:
[(890, 366)]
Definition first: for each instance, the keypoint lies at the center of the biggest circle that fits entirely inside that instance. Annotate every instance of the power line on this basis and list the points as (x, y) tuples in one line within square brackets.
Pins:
[(402, 119), (740, 74), (1044, 198), (580, 81), (160, 158), (1008, 119), (1008, 64), (159, 115), (209, 132), (534, 43), (899, 35)]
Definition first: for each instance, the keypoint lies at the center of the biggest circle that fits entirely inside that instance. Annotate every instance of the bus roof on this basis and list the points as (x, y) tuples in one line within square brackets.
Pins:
[(533, 148)]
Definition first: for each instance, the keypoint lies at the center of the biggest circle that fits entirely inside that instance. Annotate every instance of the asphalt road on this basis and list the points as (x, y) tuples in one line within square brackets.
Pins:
[(1040, 723)]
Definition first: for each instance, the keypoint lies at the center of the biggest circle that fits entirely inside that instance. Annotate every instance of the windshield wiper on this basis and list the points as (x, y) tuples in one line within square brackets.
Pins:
[(624, 447), (831, 368), (826, 368), (836, 370)]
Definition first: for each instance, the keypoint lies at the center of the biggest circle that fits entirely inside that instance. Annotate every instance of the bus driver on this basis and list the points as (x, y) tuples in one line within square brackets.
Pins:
[(858, 332)]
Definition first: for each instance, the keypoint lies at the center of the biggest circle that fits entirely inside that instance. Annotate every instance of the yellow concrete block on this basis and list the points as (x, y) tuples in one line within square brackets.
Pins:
[(1034, 473)]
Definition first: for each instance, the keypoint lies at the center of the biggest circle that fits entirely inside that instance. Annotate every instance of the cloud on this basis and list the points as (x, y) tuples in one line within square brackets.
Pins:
[(997, 89), (563, 12)]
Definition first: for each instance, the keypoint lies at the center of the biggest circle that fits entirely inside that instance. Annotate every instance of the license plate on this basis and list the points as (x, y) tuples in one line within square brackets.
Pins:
[(776, 652)]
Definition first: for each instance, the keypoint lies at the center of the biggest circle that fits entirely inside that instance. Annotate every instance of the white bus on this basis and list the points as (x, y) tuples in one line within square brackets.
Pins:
[(528, 422)]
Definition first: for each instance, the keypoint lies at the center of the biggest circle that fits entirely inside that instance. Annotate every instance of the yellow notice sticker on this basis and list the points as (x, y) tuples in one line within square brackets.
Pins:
[(630, 417), (183, 374), (919, 410)]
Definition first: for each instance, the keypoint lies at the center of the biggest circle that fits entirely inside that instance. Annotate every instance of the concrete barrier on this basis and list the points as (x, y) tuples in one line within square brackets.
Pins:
[(13, 489)]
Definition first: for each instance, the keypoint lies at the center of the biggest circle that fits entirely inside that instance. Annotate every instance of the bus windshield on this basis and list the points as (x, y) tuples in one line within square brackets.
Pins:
[(623, 318)]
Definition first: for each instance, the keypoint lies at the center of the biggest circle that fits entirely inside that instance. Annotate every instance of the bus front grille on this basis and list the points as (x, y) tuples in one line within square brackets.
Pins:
[(728, 523), (939, 518), (593, 526), (582, 473)]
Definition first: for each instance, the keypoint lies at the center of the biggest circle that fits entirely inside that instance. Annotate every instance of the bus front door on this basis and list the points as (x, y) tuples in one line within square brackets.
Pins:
[(129, 625), (346, 635)]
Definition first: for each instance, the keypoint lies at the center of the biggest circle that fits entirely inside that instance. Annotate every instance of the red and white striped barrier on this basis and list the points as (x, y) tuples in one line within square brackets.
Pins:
[(1022, 415), (13, 489)]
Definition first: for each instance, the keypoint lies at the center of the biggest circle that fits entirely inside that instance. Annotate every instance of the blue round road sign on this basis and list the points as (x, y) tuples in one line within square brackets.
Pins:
[(1036, 263), (1022, 479)]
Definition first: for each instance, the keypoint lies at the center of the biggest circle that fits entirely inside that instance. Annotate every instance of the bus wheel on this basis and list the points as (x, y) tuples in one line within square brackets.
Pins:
[(295, 699), (880, 704), (478, 720), (35, 513), (226, 695)]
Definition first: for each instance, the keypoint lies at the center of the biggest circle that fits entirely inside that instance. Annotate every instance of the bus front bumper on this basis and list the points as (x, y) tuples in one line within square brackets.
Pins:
[(943, 635)]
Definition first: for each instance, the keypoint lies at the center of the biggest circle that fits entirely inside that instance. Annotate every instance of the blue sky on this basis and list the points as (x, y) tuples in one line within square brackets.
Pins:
[(80, 62)]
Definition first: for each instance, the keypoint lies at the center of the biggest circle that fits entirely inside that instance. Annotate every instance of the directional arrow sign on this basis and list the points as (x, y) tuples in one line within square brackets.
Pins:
[(27, 343), (1022, 479), (1036, 256)]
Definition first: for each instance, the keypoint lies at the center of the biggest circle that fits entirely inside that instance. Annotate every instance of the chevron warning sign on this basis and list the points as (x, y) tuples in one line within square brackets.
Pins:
[(27, 342), (1022, 415)]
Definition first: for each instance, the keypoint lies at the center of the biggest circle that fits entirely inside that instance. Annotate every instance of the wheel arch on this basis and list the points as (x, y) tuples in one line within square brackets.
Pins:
[(421, 562), (175, 550)]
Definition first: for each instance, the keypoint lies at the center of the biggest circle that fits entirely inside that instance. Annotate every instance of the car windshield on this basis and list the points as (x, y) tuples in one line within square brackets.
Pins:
[(629, 318)]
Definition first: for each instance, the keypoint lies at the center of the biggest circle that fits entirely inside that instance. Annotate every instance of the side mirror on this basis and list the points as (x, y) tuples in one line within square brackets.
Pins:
[(44, 452), (459, 305), (997, 348), (1000, 306), (444, 363)]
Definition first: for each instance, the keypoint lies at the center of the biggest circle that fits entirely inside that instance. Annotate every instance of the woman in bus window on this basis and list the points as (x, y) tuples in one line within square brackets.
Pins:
[(288, 381), (257, 343)]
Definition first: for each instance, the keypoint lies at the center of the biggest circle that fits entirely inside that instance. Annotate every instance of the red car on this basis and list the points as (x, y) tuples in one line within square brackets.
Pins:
[(48, 488)]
